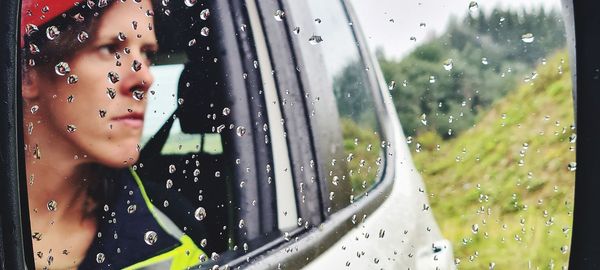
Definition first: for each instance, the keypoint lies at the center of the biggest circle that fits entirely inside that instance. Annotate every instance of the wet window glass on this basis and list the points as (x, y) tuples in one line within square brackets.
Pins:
[(484, 94), (346, 71)]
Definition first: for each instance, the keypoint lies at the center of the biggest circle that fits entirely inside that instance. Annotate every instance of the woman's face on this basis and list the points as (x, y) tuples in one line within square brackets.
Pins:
[(100, 117)]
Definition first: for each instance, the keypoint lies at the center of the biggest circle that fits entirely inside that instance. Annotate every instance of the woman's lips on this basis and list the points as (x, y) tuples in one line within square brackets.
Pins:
[(135, 120)]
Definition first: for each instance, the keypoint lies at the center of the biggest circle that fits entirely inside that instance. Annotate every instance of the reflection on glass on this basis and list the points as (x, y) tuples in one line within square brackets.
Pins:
[(353, 96)]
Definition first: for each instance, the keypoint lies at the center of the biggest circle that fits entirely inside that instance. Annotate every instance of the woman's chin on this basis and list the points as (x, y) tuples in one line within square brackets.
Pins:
[(121, 158)]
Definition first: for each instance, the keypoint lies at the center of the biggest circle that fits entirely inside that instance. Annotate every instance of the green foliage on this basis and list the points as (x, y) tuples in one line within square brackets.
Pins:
[(363, 150), (510, 172), (471, 85)]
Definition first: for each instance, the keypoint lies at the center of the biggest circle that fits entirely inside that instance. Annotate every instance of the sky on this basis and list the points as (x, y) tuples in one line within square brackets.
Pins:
[(408, 16)]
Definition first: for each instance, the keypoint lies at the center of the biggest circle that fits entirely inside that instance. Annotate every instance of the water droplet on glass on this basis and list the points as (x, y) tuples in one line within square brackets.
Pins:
[(169, 184), (37, 236), (240, 131), (226, 111), (62, 68), (102, 113), (136, 65), (243, 27), (527, 38), (30, 29), (138, 94), (190, 3), (100, 257), (392, 85), (573, 138), (448, 64), (475, 228), (33, 49), (52, 205), (112, 93), (314, 39), (131, 209), (484, 61), (172, 168), (82, 36), (121, 36), (413, 39), (113, 77), (204, 31), (564, 249), (34, 109), (318, 20), (72, 79), (572, 166), (150, 237), (52, 32), (296, 30), (192, 42), (431, 79), (204, 14), (473, 7), (71, 128), (279, 14), (200, 213)]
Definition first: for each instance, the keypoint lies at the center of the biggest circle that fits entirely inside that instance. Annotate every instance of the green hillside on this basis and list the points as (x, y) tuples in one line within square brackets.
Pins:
[(502, 191)]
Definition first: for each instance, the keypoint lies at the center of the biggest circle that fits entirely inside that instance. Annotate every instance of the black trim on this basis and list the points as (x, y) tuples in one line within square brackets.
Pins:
[(14, 227), (586, 236)]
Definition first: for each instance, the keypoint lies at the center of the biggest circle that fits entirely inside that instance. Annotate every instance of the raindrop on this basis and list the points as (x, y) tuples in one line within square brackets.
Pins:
[(392, 85), (448, 64), (196, 172), (62, 68), (180, 101), (431, 79), (71, 128), (204, 31), (34, 109), (200, 213), (134, 24), (473, 7), (169, 184), (573, 138), (204, 14), (564, 249), (172, 169), (527, 38), (243, 27), (192, 42), (381, 233), (214, 256), (422, 24), (30, 29), (240, 131), (190, 3), (121, 36), (241, 224), (52, 32), (37, 236), (475, 228), (138, 94), (102, 113), (296, 30), (111, 93), (136, 65), (317, 20), (34, 49), (113, 77), (52, 205), (279, 14), (150, 237), (226, 111), (100, 257), (572, 166), (413, 38), (331, 195), (314, 39), (131, 209), (72, 79), (484, 61)]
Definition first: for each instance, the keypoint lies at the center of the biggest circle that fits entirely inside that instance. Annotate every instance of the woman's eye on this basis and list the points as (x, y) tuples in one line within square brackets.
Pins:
[(108, 49)]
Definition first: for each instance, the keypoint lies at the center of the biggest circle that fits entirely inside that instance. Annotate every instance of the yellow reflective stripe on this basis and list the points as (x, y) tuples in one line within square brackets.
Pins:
[(182, 257)]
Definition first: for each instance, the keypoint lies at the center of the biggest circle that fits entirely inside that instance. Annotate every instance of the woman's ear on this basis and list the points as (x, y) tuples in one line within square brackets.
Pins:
[(30, 84)]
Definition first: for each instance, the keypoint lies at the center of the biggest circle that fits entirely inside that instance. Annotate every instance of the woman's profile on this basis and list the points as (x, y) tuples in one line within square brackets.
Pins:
[(84, 80)]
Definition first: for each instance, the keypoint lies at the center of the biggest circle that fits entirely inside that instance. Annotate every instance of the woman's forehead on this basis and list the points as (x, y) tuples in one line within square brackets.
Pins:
[(129, 18)]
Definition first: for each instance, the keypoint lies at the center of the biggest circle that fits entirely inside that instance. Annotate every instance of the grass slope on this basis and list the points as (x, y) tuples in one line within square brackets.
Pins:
[(501, 191)]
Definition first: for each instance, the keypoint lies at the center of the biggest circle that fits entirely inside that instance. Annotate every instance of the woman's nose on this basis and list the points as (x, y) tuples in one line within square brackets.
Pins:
[(136, 76)]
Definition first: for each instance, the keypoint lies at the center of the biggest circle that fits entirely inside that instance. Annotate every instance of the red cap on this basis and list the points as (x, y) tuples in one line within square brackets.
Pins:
[(38, 12)]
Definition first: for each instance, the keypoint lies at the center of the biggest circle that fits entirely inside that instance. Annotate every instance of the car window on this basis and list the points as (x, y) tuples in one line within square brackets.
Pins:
[(484, 94), (346, 74)]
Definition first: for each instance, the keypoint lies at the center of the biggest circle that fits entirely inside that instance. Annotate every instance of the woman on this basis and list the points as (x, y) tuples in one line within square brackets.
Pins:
[(84, 78)]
